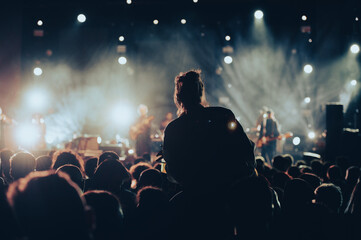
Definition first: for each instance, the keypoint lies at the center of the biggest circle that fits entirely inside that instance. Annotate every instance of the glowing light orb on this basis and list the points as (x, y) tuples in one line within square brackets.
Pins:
[(121, 38), (258, 14), (131, 151), (129, 1), (122, 60), (99, 140), (355, 48), (311, 135), (228, 38), (183, 21), (304, 17), (353, 82), (155, 22), (228, 59), (308, 68), (27, 135), (36, 99), (296, 141), (232, 125), (195, 1), (122, 114), (39, 23), (38, 71), (81, 18), (307, 100)]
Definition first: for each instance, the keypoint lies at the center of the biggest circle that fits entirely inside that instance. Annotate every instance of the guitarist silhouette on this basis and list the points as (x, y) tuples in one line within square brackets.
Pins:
[(268, 136), (140, 131)]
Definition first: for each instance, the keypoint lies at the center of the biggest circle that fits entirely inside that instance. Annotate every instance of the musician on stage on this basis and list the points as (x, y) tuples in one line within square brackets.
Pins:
[(268, 136), (140, 131)]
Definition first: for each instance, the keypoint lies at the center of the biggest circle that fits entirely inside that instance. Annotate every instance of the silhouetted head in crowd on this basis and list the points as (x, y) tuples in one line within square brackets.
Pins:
[(280, 179), (354, 205), (294, 171), (138, 168), (64, 157), (282, 163), (317, 166), (188, 91), (107, 155), (250, 207), (43, 163), (90, 166), (298, 194), (289, 160), (150, 177), (21, 164), (260, 162), (330, 196), (151, 199), (305, 169), (5, 156), (139, 160), (74, 173), (353, 174), (325, 168), (334, 173), (108, 214), (110, 175), (300, 163), (146, 157), (312, 179), (48, 206)]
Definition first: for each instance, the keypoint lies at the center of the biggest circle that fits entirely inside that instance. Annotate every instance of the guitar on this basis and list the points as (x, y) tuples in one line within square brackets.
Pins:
[(140, 127), (265, 140)]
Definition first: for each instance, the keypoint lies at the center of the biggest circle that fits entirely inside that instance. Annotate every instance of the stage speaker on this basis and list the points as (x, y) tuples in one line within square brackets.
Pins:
[(334, 128)]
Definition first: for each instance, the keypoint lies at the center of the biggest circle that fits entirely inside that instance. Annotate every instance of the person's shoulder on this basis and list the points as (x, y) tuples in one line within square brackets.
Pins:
[(173, 124), (220, 111)]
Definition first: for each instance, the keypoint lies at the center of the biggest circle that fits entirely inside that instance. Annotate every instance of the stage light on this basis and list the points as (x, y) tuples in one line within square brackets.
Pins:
[(27, 135), (228, 59), (228, 38), (310, 40), (356, 19), (307, 100), (308, 68), (81, 18), (296, 141), (311, 135), (38, 71), (155, 22), (40, 23), (122, 114), (353, 82), (195, 1), (129, 1), (232, 125), (355, 48), (36, 99), (122, 60), (183, 21), (304, 17), (131, 151), (121, 39), (258, 14), (99, 140)]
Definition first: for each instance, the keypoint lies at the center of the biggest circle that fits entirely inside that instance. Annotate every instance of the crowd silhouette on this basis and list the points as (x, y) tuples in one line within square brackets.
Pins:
[(214, 187)]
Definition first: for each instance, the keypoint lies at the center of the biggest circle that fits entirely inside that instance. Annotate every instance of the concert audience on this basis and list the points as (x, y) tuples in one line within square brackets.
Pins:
[(21, 164), (43, 163)]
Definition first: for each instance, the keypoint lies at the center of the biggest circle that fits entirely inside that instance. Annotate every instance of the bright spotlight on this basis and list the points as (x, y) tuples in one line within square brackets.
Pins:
[(195, 1), (121, 39), (258, 14), (122, 60), (122, 114), (304, 17), (228, 59), (131, 151), (129, 1), (228, 38), (40, 23), (99, 140), (81, 18), (311, 135), (155, 22), (36, 99), (27, 135), (355, 48), (296, 141), (232, 125), (38, 71), (353, 82), (307, 68), (307, 100), (183, 21)]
